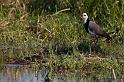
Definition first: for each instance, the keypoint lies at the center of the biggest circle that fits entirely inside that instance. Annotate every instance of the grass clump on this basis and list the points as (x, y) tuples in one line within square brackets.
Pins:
[(27, 27)]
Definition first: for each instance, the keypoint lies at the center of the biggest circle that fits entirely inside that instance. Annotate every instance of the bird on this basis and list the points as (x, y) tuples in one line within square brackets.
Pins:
[(94, 29)]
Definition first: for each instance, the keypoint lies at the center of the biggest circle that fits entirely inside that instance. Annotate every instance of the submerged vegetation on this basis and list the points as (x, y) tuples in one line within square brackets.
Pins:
[(53, 30)]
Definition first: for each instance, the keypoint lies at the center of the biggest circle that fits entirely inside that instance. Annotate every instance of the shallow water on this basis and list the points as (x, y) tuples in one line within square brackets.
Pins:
[(20, 73)]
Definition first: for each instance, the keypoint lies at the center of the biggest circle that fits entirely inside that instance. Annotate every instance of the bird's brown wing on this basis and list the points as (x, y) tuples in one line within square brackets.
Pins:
[(96, 29)]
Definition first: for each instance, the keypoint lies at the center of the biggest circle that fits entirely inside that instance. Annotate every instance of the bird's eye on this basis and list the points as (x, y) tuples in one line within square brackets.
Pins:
[(84, 15)]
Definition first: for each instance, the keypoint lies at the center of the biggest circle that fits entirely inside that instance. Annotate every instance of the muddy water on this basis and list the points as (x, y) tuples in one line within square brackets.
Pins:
[(19, 73)]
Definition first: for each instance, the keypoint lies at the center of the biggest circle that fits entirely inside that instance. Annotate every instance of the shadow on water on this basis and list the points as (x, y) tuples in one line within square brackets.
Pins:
[(20, 73)]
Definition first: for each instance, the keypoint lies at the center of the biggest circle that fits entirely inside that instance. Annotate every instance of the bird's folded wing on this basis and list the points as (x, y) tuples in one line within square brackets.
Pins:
[(96, 29)]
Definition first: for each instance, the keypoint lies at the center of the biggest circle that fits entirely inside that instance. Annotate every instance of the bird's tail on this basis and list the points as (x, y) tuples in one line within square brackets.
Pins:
[(107, 36)]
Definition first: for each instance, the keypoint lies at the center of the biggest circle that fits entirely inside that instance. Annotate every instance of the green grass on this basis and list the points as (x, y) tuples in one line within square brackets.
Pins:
[(27, 27)]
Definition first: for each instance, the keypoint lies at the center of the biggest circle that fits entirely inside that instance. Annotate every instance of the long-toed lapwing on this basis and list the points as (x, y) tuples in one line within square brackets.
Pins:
[(94, 29)]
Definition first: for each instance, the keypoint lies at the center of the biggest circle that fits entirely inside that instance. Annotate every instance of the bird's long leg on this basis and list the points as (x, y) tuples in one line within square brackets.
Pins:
[(96, 40), (93, 43), (90, 48)]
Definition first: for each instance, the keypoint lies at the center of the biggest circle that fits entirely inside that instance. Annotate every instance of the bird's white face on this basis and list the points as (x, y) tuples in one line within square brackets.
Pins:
[(84, 17)]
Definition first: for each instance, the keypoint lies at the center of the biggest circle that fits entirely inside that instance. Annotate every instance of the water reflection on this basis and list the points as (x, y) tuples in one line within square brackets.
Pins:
[(18, 73)]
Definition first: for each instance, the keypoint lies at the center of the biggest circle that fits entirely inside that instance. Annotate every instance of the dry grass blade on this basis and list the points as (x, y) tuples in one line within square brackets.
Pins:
[(62, 11)]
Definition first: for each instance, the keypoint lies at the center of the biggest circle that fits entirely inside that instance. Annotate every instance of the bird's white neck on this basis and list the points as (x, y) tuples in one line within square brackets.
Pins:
[(85, 20)]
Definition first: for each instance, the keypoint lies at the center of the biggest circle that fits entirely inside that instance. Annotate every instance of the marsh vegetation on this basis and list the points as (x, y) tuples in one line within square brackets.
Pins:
[(51, 33)]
